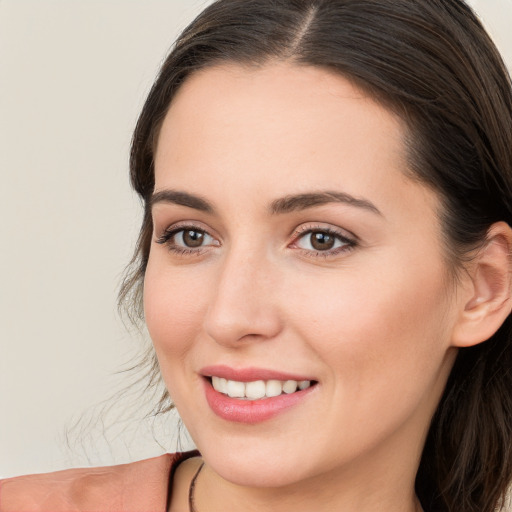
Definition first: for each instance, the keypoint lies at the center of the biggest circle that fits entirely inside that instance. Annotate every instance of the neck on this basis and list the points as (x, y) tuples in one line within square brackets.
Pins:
[(340, 491)]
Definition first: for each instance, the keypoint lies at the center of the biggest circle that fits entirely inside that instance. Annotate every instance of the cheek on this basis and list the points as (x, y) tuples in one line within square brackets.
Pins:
[(376, 330), (174, 303), (382, 340)]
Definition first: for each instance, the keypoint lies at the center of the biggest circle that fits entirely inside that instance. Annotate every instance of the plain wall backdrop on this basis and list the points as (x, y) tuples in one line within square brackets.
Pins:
[(73, 77)]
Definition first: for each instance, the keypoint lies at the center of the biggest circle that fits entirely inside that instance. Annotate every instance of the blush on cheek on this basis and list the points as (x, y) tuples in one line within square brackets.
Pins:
[(173, 313), (377, 317)]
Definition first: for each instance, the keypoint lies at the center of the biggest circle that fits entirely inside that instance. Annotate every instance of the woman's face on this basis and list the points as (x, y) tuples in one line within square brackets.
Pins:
[(289, 245)]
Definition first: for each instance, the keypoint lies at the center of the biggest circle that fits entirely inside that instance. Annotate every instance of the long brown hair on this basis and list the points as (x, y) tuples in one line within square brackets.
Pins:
[(431, 62)]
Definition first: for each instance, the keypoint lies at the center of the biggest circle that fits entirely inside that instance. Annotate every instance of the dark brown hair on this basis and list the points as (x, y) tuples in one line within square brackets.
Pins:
[(431, 62)]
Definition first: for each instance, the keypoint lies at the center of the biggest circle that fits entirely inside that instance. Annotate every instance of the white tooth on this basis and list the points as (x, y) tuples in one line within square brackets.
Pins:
[(223, 385), (235, 389), (273, 388), (255, 389), (290, 386), (215, 383), (304, 384)]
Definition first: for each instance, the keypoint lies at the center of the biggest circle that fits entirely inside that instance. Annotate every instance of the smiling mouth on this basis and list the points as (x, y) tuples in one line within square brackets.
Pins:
[(258, 389)]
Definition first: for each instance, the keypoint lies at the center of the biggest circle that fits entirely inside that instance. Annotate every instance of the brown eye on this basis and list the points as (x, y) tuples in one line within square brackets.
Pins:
[(324, 241), (321, 241), (191, 237), (187, 240)]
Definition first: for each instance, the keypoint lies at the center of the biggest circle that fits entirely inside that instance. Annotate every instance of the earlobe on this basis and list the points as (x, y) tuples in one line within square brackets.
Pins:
[(488, 302)]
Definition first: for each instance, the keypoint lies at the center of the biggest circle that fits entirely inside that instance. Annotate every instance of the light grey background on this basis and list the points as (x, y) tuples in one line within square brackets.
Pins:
[(73, 77)]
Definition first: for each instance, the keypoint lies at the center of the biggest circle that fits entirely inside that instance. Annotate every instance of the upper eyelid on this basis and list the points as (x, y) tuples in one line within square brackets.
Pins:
[(180, 225), (165, 236), (299, 231), (341, 237), (336, 230)]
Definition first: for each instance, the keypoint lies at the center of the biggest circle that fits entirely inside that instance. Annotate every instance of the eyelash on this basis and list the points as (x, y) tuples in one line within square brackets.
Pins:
[(348, 243), (170, 233)]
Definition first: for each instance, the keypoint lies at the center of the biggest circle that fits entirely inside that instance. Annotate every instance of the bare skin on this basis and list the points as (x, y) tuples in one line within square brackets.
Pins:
[(373, 317), (181, 485)]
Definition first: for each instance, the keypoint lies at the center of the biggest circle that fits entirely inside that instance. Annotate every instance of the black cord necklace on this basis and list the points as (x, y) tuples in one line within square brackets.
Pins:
[(191, 505)]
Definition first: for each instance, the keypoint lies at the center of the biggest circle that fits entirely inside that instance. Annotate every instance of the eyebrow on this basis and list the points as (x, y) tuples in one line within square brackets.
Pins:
[(282, 205), (181, 198), (303, 201)]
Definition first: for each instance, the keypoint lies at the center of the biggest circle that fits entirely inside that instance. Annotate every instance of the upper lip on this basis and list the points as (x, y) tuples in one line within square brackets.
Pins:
[(249, 374)]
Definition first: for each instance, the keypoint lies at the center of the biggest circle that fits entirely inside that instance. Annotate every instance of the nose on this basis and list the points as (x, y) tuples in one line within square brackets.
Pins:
[(244, 305)]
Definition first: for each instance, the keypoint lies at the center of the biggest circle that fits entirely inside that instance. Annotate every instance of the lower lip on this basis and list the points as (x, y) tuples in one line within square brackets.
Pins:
[(251, 411)]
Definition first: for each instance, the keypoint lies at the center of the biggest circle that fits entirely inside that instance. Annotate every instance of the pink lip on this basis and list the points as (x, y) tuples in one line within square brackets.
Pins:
[(250, 411), (249, 374)]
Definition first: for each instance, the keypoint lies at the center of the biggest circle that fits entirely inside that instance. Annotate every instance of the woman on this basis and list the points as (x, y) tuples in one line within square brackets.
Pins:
[(323, 265)]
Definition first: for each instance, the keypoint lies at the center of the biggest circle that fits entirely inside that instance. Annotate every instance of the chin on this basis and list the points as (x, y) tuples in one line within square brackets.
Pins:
[(264, 460), (258, 470)]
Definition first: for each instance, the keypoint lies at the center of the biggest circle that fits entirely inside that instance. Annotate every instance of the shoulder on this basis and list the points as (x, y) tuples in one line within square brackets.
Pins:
[(135, 487)]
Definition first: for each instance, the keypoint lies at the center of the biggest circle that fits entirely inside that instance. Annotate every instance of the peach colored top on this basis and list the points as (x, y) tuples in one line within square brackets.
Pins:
[(141, 486)]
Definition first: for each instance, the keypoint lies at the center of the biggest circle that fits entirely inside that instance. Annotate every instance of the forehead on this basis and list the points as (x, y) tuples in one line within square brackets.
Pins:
[(278, 97), (296, 128)]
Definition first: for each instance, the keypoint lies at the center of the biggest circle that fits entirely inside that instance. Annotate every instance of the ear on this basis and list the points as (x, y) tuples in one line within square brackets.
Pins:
[(486, 302)]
